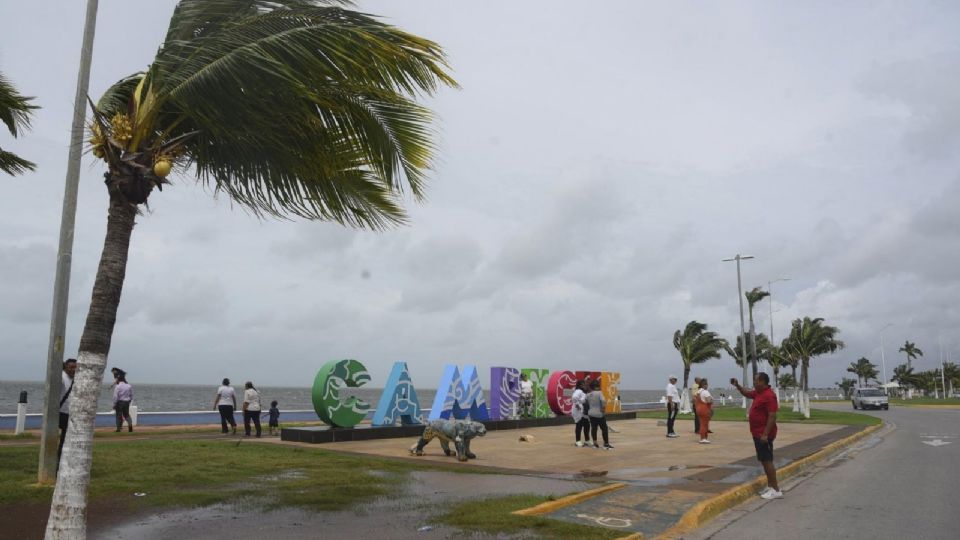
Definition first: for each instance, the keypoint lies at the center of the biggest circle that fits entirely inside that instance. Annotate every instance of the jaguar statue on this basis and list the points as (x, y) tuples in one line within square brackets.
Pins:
[(461, 432)]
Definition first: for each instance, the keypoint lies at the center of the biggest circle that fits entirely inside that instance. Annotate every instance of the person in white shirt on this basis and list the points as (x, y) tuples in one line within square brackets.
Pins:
[(251, 408), (526, 396), (66, 388), (226, 403), (122, 396), (673, 405), (579, 398)]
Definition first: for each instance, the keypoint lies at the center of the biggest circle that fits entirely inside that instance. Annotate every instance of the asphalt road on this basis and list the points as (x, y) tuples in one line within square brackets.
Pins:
[(891, 486)]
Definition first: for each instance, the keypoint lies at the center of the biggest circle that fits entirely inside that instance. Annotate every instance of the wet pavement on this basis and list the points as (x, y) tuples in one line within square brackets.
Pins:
[(401, 516)]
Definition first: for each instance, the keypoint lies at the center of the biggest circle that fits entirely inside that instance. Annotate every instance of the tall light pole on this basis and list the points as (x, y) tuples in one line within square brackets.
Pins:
[(883, 360), (772, 342), (743, 336), (49, 437)]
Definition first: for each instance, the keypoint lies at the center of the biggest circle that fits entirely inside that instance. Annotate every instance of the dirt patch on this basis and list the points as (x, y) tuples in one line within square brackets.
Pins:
[(424, 495), (29, 521)]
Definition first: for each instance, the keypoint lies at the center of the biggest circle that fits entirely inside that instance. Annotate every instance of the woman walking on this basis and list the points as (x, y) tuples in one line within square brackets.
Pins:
[(122, 396), (579, 399), (704, 404), (226, 403), (251, 408), (596, 406)]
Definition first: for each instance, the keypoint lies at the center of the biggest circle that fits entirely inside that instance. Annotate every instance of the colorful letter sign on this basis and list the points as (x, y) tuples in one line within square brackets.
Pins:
[(504, 392), (459, 397), (539, 379), (558, 382), (610, 385), (399, 399), (333, 376)]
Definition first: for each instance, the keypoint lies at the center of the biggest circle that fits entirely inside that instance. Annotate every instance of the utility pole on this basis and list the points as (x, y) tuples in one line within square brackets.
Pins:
[(776, 383), (743, 336), (50, 437), (883, 360)]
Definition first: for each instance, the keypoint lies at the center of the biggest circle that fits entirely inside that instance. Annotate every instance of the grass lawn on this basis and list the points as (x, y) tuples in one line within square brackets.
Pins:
[(187, 473), (492, 516), (785, 415), (924, 401)]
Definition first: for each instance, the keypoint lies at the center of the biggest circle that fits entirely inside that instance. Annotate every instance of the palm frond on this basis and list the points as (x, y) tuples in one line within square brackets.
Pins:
[(15, 109), (13, 164), (299, 107)]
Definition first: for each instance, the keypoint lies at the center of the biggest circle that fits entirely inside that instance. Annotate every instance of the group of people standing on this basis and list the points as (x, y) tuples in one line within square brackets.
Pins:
[(589, 413), (762, 418), (226, 403)]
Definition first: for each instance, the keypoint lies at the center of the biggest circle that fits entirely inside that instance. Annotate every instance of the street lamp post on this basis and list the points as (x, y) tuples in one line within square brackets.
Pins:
[(883, 360), (743, 336), (776, 385)]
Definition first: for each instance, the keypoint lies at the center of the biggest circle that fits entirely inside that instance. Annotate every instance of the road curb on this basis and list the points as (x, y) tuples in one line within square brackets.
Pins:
[(710, 508), (550, 506)]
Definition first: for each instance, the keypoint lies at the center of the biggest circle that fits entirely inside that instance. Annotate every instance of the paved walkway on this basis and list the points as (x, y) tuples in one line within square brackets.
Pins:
[(664, 477)]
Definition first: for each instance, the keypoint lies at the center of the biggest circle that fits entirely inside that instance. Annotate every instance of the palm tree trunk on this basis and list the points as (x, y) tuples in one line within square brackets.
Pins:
[(685, 398), (68, 508), (805, 374), (753, 345), (796, 389)]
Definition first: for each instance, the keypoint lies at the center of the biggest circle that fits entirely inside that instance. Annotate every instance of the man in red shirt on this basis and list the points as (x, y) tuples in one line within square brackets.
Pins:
[(763, 427)]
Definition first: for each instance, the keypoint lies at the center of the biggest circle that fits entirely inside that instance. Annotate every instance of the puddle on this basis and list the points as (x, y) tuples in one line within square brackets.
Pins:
[(292, 474), (424, 494)]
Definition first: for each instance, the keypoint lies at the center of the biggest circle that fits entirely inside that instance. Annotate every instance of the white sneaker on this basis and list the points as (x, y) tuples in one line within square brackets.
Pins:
[(579, 444), (672, 435), (704, 441), (772, 494), (764, 490)]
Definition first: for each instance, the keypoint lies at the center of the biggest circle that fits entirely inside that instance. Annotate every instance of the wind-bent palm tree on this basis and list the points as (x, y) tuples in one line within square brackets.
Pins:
[(911, 350), (291, 108), (904, 376), (15, 113), (696, 345), (864, 370), (951, 373), (790, 358), (737, 353), (753, 296), (810, 338)]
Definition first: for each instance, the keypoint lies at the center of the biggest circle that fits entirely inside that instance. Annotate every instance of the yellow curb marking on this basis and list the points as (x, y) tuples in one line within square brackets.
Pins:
[(703, 511), (550, 506)]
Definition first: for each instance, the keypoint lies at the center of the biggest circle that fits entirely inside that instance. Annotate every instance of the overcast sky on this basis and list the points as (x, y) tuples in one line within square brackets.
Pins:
[(598, 164)]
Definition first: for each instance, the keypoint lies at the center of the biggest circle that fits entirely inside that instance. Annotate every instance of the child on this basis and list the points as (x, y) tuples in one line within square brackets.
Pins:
[(274, 417)]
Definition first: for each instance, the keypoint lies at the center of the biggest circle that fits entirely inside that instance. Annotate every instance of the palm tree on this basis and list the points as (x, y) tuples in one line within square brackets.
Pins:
[(289, 107), (904, 376), (911, 350), (787, 380), (696, 345), (15, 113), (810, 338), (790, 358), (951, 373), (845, 385), (864, 370), (753, 296)]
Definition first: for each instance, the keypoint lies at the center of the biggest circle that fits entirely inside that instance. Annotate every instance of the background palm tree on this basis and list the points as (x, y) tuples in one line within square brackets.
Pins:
[(911, 350), (696, 345), (753, 296), (289, 107), (787, 380), (808, 339), (790, 358), (864, 370), (904, 376), (951, 373), (845, 385), (15, 113)]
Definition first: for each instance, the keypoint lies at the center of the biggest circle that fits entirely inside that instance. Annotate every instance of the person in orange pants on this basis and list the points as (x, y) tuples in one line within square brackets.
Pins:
[(703, 402)]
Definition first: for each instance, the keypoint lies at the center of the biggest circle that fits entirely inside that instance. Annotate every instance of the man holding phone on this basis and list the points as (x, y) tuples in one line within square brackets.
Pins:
[(763, 428)]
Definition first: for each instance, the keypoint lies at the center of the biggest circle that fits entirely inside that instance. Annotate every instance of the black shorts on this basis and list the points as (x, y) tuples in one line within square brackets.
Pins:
[(764, 449)]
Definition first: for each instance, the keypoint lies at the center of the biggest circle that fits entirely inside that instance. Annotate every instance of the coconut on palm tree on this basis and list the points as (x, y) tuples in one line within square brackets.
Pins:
[(753, 296), (912, 351), (864, 370), (696, 345), (15, 113), (808, 339), (289, 107)]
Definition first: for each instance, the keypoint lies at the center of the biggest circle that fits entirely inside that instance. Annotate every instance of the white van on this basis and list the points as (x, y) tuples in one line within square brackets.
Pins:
[(869, 398)]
